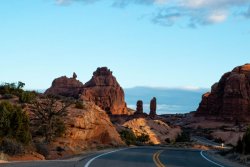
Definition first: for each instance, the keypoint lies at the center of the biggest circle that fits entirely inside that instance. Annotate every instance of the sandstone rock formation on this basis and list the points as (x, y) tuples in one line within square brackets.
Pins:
[(157, 130), (230, 97), (105, 92), (86, 128), (64, 86), (139, 107), (91, 126), (152, 113)]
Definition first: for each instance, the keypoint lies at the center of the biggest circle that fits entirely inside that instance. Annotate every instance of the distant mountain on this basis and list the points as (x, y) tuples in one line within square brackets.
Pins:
[(169, 100)]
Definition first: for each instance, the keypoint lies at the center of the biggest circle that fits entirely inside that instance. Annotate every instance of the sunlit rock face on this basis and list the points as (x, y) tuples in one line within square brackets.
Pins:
[(90, 126), (64, 86), (157, 130), (230, 97), (104, 90)]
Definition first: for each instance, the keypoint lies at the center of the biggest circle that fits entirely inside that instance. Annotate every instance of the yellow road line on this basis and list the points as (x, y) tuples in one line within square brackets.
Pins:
[(156, 159)]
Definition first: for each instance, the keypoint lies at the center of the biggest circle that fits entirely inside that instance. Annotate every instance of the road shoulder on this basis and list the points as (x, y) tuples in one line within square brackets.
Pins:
[(215, 156)]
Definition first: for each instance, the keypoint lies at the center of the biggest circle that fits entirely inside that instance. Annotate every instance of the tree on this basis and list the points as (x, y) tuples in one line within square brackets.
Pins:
[(20, 85), (48, 116)]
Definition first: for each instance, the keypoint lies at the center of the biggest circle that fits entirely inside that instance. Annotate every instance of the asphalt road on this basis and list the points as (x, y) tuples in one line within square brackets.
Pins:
[(132, 157)]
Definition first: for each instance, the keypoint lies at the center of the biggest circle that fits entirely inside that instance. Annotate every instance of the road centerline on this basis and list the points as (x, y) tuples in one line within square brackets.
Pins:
[(156, 159)]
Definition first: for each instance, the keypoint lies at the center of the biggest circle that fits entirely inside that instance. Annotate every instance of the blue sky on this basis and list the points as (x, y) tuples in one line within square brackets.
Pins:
[(157, 43)]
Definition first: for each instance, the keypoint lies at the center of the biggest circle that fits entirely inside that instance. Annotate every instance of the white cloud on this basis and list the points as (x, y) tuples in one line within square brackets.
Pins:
[(213, 3), (217, 17), (194, 12)]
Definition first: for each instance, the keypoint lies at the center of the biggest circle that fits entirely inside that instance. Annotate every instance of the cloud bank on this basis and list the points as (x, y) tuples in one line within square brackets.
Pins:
[(192, 12)]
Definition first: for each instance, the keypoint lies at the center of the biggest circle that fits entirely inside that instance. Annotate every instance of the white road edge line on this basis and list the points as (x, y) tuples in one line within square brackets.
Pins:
[(210, 160), (91, 160)]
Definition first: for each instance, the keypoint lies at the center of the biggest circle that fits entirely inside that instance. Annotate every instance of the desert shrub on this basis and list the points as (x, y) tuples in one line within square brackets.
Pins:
[(9, 90), (11, 146), (128, 137), (167, 140), (79, 105), (183, 137), (27, 96), (143, 138), (12, 88), (243, 144), (14, 123)]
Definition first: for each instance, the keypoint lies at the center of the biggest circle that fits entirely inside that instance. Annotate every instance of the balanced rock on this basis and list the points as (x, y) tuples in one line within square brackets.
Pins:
[(105, 92), (152, 108), (139, 107), (230, 97), (64, 86)]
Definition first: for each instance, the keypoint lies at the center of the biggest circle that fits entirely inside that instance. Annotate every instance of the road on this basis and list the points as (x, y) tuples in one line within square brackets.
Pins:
[(132, 157), (205, 141)]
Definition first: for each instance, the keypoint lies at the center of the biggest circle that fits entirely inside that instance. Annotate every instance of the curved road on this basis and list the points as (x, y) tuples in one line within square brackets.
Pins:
[(132, 157)]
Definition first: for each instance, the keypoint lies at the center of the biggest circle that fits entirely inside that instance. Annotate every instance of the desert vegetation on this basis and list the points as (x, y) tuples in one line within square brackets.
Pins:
[(14, 129), (48, 116), (131, 139), (10, 90), (25, 115)]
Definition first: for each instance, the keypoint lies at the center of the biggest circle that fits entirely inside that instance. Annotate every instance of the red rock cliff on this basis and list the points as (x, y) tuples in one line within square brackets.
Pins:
[(230, 97), (64, 86), (105, 92)]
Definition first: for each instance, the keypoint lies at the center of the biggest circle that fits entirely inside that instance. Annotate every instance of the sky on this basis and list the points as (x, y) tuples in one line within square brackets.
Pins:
[(157, 43)]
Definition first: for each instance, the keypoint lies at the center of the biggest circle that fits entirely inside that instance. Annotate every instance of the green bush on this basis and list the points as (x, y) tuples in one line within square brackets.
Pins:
[(128, 137), (143, 138), (14, 123), (11, 88), (167, 140), (183, 137), (27, 97)]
